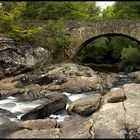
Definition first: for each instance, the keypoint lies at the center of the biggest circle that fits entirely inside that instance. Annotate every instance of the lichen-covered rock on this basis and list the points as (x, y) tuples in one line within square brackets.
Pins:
[(16, 58), (74, 78)]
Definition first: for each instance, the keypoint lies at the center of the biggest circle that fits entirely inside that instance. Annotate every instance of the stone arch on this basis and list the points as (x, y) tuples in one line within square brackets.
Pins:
[(98, 36), (84, 31)]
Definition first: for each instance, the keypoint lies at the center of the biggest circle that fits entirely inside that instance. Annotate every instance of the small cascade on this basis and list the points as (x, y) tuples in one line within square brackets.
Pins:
[(123, 79), (19, 108)]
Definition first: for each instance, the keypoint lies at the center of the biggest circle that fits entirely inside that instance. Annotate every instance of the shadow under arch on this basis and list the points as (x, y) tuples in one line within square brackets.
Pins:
[(96, 37)]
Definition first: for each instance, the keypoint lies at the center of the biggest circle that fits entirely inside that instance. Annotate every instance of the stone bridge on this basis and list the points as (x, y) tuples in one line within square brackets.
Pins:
[(83, 32)]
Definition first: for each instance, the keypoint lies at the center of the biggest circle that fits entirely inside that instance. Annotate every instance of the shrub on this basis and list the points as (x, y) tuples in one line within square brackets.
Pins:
[(130, 55), (56, 39)]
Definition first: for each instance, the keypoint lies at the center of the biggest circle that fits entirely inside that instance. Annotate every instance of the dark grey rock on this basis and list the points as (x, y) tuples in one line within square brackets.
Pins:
[(53, 102)]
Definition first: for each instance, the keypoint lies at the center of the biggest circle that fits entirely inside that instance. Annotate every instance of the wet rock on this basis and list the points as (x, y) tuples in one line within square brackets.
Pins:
[(53, 102), (29, 93), (86, 105), (115, 95), (8, 128), (4, 112), (108, 79), (13, 92), (3, 120), (33, 79)]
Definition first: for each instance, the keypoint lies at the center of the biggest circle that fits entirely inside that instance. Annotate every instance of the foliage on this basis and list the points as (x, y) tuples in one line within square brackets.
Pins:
[(25, 35), (127, 10), (8, 15), (130, 55), (61, 10), (56, 38), (122, 10), (53, 35), (108, 49), (108, 13)]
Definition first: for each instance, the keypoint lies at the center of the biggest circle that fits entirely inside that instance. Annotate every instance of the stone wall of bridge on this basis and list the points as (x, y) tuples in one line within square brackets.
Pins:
[(83, 32)]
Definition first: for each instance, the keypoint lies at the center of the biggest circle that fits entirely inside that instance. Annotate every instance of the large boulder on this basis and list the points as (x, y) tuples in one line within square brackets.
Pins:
[(16, 58), (38, 124), (43, 128), (74, 78), (33, 79), (80, 84), (66, 77), (4, 112), (8, 128), (112, 120), (35, 134), (86, 105), (115, 95), (135, 75), (40, 128), (48, 128), (53, 102), (79, 128), (109, 121), (121, 119)]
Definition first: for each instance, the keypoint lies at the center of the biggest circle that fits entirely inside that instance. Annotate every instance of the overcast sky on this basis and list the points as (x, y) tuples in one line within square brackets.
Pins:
[(104, 4)]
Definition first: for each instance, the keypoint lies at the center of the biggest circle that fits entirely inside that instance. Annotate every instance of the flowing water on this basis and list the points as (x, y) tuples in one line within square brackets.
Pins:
[(19, 108)]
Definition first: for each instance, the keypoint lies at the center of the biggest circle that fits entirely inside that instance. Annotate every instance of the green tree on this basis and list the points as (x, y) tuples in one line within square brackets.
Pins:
[(122, 10), (61, 10), (131, 55), (9, 13), (108, 13), (127, 10), (56, 39)]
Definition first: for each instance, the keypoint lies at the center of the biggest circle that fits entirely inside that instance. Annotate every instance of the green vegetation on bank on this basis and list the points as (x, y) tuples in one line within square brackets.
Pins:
[(53, 36), (116, 49)]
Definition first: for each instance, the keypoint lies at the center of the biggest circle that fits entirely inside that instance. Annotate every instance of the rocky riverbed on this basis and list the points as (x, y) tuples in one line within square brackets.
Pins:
[(66, 100)]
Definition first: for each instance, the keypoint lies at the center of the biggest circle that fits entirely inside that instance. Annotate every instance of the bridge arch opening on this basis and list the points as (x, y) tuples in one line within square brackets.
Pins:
[(107, 49)]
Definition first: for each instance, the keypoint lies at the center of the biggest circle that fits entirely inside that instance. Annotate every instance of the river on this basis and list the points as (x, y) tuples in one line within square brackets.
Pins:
[(19, 108)]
